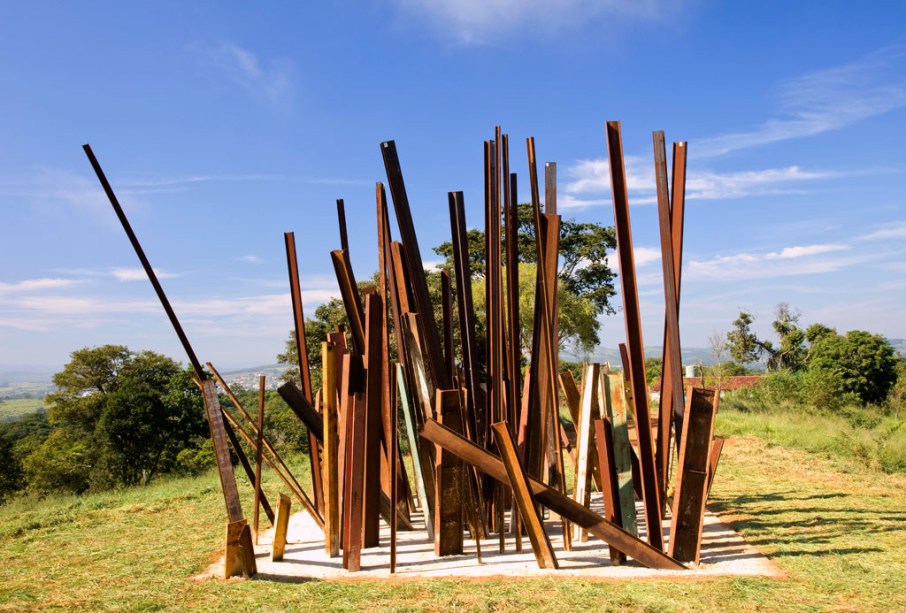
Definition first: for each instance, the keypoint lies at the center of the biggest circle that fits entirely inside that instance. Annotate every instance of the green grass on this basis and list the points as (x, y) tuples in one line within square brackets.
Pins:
[(835, 526), (862, 435), (17, 407)]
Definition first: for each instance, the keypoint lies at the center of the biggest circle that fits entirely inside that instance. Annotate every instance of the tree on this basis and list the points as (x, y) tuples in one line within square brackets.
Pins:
[(789, 354), (654, 369), (743, 344), (117, 418), (583, 267), (865, 364), (717, 342)]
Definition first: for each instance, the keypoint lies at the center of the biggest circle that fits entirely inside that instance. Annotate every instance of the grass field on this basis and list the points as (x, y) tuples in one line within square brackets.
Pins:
[(835, 526), (15, 408)]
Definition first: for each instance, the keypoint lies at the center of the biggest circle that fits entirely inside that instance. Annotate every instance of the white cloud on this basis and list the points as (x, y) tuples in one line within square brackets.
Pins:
[(824, 100), (138, 274), (482, 21), (249, 259), (789, 261), (270, 80), (892, 230), (30, 285)]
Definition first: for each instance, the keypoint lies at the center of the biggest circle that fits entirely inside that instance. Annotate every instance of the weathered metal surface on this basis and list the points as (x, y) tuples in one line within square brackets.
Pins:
[(492, 466), (295, 293), (622, 449), (303, 410), (541, 544), (584, 439), (351, 300), (612, 510), (259, 453), (692, 474), (717, 446), (352, 395), (374, 317), (414, 263), (450, 484), (221, 451), (281, 524), (330, 451), (418, 458), (672, 374), (341, 221), (635, 344)]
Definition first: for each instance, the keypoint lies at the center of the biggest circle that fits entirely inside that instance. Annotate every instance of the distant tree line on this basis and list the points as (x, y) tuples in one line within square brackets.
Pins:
[(119, 418)]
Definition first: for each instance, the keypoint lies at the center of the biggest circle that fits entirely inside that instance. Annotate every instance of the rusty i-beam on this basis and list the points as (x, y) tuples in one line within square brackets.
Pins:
[(635, 345), (240, 553)]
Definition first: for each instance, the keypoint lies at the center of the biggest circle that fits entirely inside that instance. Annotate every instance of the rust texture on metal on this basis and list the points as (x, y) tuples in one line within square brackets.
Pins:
[(352, 396), (622, 449), (612, 510), (717, 446), (341, 221), (303, 410), (349, 290), (448, 468), (330, 451), (672, 375), (692, 474), (541, 544), (281, 526), (424, 484), (259, 453), (295, 293), (635, 344), (374, 316), (492, 466)]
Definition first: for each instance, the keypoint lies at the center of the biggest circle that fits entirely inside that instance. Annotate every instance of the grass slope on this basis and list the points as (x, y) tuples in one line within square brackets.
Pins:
[(17, 407), (836, 527)]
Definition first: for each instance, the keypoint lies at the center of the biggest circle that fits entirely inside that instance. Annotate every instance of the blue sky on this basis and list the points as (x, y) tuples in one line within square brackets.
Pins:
[(222, 125)]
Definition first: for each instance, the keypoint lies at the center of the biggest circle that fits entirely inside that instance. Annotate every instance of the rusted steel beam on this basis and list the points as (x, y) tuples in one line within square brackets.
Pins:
[(586, 454), (353, 397), (330, 450), (349, 290), (492, 466), (419, 457), (414, 262), (450, 484), (514, 331), (692, 474), (717, 446), (281, 524), (541, 544), (622, 449), (259, 452), (374, 317), (634, 341), (341, 221), (295, 293), (474, 406), (673, 361), (612, 510), (304, 411)]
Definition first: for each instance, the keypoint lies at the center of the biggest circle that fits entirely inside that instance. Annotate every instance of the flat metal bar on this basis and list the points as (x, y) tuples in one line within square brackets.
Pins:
[(304, 411), (622, 450), (585, 442), (672, 375), (449, 481), (633, 320), (330, 451), (541, 544), (612, 511), (717, 446), (492, 466), (213, 411), (374, 318), (295, 293), (352, 395), (149, 271), (414, 261), (414, 445), (341, 220), (692, 474), (259, 452), (349, 290)]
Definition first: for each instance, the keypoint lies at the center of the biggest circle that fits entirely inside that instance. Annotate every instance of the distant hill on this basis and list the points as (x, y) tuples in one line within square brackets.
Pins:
[(691, 355), (899, 345)]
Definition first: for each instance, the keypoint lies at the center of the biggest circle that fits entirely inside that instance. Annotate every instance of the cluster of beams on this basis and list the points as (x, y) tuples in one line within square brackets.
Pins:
[(485, 437)]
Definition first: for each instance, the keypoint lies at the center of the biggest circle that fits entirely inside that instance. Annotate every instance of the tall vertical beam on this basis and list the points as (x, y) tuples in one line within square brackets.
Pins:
[(295, 293), (259, 453), (622, 450), (633, 319), (692, 474), (668, 409), (341, 221), (448, 496), (352, 396), (585, 435), (374, 316), (331, 446), (673, 361), (419, 459), (349, 290)]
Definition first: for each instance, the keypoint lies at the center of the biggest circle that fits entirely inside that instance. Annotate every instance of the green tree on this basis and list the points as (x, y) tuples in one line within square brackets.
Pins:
[(865, 364), (654, 369), (743, 344), (117, 417), (790, 352)]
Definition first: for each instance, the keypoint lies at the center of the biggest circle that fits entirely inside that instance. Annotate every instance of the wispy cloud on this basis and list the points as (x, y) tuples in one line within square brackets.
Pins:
[(590, 184), (892, 230), (249, 259), (32, 285), (824, 100), (271, 80), (789, 261), (138, 274), (481, 21)]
